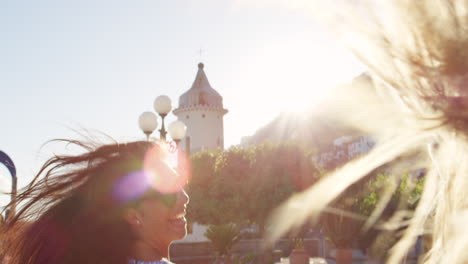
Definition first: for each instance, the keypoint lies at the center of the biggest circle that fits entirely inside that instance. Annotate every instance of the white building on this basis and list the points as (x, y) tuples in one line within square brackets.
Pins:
[(201, 109), (360, 146), (196, 234), (344, 149), (342, 140)]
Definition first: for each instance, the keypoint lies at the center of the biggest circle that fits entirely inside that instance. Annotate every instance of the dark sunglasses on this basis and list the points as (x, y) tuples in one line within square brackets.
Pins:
[(169, 200)]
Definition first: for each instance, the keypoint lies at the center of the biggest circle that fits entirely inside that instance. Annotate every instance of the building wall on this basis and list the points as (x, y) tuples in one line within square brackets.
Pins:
[(345, 149), (205, 128), (197, 235)]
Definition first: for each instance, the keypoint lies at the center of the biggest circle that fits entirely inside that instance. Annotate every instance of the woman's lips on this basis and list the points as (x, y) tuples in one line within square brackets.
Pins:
[(178, 220)]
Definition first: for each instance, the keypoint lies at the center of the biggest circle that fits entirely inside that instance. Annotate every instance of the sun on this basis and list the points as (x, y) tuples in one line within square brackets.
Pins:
[(293, 77)]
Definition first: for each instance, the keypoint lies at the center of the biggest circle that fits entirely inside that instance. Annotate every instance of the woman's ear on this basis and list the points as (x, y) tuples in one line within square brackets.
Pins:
[(133, 217)]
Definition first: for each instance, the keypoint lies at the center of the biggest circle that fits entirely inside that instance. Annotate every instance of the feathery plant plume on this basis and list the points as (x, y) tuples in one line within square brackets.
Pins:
[(417, 55)]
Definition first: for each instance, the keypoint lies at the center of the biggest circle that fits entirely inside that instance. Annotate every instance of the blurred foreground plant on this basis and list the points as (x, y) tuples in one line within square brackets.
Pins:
[(223, 237)]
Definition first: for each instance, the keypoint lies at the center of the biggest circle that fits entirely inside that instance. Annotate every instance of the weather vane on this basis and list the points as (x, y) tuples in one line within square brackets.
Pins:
[(200, 52)]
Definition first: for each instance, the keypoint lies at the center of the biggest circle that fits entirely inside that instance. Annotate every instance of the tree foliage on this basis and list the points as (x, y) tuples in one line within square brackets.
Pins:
[(361, 199), (243, 185)]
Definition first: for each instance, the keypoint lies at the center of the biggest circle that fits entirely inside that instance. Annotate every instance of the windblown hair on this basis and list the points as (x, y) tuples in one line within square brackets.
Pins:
[(417, 54), (68, 212)]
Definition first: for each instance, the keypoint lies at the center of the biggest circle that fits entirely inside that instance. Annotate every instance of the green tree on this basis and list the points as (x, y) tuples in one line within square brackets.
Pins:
[(361, 199), (215, 186), (277, 172), (405, 197), (338, 224), (243, 185)]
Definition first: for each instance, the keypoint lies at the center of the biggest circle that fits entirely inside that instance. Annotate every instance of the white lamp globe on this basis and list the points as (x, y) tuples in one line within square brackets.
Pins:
[(162, 105), (177, 130), (148, 122)]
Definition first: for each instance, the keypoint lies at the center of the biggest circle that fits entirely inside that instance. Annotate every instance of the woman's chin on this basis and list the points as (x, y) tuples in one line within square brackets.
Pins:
[(179, 227)]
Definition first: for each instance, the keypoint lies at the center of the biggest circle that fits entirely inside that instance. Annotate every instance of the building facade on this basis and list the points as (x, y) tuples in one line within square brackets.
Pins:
[(343, 150), (201, 109)]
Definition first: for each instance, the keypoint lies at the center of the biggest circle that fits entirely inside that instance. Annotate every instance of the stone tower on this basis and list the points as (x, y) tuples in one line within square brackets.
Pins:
[(201, 109)]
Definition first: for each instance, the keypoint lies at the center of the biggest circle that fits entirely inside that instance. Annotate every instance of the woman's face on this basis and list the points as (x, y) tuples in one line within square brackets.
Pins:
[(159, 216), (162, 218)]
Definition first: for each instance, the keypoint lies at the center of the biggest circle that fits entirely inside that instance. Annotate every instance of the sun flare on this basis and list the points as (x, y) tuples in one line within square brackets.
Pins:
[(300, 75)]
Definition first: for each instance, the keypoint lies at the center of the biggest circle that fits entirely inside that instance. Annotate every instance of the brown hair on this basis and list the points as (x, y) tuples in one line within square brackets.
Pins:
[(74, 215)]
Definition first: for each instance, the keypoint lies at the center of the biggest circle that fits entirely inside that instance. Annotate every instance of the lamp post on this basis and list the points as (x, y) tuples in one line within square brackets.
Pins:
[(177, 130), (162, 105), (8, 162), (148, 121)]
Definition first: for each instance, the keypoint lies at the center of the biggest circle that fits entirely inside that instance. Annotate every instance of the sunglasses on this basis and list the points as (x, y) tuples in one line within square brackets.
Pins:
[(169, 200)]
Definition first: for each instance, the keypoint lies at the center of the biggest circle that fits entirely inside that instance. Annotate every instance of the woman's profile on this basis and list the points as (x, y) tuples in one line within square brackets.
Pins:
[(116, 203)]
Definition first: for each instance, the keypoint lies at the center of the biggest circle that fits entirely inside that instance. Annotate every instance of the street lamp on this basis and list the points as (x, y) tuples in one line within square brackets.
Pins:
[(8, 162), (162, 105), (177, 130), (148, 121)]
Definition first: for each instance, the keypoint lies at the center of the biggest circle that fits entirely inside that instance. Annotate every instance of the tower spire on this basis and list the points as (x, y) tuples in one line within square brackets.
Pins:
[(200, 53)]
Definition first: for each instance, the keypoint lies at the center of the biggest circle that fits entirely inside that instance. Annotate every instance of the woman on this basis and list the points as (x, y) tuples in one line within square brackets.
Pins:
[(116, 204)]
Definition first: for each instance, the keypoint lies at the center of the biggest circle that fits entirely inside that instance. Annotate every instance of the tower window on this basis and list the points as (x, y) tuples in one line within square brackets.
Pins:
[(203, 115)]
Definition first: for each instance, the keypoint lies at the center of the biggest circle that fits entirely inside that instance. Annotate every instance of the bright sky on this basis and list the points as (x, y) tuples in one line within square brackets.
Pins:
[(99, 64)]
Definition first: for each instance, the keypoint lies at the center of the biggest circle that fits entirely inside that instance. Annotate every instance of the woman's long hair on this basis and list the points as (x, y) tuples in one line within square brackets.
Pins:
[(69, 213), (417, 54)]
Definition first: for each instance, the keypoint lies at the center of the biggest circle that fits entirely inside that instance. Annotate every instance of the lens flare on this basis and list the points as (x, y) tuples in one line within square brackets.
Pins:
[(165, 179), (132, 186)]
